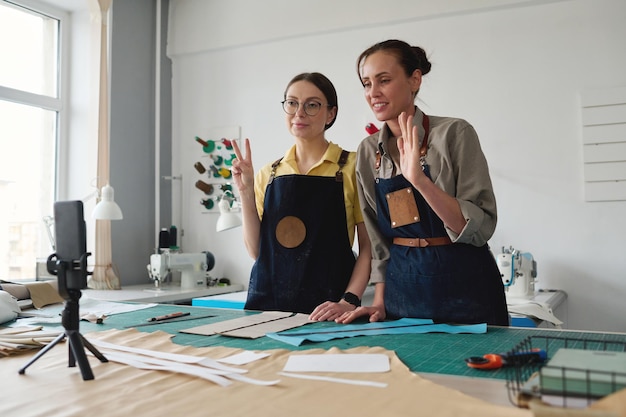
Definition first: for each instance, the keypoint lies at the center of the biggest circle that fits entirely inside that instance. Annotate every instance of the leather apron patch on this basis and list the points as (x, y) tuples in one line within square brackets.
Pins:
[(402, 207), (290, 232)]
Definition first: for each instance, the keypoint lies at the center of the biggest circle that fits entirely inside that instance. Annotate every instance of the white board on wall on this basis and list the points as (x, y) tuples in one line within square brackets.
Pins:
[(604, 143)]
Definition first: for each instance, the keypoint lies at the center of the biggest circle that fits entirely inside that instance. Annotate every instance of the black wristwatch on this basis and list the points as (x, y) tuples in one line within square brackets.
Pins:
[(352, 299)]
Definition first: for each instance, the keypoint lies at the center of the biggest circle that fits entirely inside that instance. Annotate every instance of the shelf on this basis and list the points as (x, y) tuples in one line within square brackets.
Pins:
[(169, 294)]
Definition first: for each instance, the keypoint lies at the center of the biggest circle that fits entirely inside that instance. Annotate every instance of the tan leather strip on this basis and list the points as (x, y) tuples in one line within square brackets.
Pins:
[(418, 242)]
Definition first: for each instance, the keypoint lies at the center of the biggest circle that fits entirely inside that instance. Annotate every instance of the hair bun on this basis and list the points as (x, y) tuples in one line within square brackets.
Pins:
[(424, 63)]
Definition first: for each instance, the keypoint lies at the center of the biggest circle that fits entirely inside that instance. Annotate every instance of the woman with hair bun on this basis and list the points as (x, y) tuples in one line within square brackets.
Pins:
[(427, 201)]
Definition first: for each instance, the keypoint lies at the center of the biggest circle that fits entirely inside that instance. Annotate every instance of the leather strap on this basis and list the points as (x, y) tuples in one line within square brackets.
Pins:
[(426, 126), (273, 173), (418, 242), (343, 158)]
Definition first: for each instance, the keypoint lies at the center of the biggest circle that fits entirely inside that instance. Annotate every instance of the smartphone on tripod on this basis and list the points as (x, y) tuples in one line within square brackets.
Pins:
[(71, 246), (69, 264)]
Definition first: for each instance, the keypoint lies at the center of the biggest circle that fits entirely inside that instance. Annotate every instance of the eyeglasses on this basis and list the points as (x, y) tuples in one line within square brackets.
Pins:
[(310, 107)]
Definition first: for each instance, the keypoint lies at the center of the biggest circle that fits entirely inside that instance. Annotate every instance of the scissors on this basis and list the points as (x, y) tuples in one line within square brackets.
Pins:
[(498, 360)]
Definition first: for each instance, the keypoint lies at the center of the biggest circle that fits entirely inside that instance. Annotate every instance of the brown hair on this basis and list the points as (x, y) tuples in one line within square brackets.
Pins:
[(324, 84)]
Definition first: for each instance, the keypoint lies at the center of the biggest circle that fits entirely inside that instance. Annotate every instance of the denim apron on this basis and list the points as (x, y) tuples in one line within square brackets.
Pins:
[(446, 282), (305, 256)]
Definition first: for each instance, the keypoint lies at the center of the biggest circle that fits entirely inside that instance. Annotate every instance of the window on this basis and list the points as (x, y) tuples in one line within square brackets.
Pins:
[(31, 103)]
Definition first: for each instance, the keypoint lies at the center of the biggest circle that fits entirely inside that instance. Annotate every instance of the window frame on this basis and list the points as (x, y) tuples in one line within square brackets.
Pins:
[(58, 104)]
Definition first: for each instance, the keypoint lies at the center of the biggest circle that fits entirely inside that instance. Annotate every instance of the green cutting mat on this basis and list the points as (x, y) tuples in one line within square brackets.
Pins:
[(440, 353)]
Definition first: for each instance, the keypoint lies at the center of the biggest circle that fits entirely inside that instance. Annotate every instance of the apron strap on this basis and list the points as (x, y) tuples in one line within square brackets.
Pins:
[(343, 158), (273, 173)]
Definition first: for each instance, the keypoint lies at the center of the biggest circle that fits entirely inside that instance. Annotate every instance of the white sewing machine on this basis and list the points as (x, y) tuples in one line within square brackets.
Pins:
[(193, 267), (518, 271)]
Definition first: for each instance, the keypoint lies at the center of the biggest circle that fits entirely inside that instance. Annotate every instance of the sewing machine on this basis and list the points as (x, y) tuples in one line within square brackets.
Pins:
[(193, 268), (518, 271)]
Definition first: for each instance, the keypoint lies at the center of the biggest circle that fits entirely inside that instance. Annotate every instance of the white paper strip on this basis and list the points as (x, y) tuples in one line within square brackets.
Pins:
[(208, 362), (172, 365), (339, 380), (140, 363), (155, 360)]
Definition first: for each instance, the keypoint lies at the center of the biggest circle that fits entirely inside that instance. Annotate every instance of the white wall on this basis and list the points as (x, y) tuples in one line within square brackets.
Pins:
[(514, 69)]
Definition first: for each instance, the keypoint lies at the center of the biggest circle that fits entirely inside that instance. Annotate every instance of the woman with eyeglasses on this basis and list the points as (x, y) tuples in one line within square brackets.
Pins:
[(428, 202), (301, 213)]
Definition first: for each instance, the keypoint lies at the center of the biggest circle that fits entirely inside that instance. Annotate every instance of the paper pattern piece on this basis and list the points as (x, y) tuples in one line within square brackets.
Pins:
[(122, 391), (252, 326), (372, 362), (401, 326)]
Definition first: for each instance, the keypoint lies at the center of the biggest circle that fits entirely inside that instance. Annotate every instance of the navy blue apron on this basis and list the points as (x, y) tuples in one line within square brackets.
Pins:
[(305, 256), (451, 283)]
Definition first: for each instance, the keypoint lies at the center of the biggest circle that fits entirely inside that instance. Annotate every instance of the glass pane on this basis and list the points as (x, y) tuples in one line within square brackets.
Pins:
[(28, 47), (27, 179)]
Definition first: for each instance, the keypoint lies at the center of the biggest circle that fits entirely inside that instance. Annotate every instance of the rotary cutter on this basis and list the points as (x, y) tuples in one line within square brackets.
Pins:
[(498, 360)]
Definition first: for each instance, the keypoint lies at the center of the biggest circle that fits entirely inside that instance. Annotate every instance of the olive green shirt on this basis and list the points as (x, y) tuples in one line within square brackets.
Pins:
[(457, 166)]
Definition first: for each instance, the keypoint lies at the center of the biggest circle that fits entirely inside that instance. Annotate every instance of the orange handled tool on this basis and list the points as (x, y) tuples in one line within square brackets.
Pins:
[(495, 360)]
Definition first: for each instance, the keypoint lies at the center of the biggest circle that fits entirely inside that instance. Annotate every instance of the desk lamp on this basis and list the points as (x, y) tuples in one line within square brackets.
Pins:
[(104, 276), (227, 219), (107, 208)]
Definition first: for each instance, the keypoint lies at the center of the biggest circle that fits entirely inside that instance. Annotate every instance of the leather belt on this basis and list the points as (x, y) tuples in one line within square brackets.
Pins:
[(418, 242)]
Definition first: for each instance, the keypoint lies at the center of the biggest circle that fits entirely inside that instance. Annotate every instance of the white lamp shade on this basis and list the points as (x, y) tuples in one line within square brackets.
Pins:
[(107, 208), (227, 220)]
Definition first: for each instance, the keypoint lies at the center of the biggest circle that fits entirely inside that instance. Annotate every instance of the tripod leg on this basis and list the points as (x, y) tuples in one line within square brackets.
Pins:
[(78, 352), (42, 352), (71, 359), (93, 349), (70, 291)]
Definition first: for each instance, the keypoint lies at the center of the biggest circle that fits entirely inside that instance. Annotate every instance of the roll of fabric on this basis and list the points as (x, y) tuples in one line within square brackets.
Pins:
[(19, 291)]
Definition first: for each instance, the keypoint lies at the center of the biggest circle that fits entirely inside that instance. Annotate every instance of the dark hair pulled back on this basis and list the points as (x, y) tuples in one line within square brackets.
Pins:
[(409, 57)]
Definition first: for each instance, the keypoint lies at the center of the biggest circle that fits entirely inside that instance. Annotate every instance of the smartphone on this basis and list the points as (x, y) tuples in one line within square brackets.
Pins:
[(71, 243)]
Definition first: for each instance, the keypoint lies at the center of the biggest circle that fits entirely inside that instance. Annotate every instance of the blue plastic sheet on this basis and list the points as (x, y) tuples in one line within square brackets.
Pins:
[(402, 326)]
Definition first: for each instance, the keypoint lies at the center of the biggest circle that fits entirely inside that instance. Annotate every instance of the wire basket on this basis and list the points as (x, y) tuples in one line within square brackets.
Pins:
[(524, 378)]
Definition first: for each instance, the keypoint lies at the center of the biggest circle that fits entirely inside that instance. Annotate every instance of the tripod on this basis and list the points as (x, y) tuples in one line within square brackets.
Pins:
[(70, 320)]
